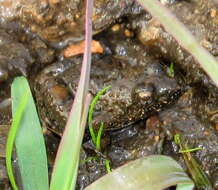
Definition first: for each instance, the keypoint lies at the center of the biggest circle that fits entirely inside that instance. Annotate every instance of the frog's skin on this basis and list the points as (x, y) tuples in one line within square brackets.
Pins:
[(135, 94), (140, 86)]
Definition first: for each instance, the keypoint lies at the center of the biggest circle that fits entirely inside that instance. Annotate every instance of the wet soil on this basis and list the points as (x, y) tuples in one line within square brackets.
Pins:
[(145, 106)]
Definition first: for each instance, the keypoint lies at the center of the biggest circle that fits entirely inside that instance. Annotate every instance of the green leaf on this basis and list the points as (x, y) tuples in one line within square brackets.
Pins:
[(183, 187), (11, 138), (148, 173), (29, 142)]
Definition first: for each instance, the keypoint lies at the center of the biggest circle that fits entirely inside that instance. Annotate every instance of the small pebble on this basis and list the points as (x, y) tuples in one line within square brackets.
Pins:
[(115, 28), (152, 123), (205, 43), (213, 13), (206, 133), (156, 138), (148, 36), (128, 33), (53, 2), (216, 126)]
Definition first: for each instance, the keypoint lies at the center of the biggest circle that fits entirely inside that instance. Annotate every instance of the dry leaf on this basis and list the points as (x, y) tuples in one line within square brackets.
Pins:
[(76, 49)]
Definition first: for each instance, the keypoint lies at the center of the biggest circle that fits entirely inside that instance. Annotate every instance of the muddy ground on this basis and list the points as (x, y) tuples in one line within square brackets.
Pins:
[(146, 104)]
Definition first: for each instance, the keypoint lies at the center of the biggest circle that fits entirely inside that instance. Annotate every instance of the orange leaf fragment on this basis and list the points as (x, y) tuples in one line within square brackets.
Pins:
[(76, 49)]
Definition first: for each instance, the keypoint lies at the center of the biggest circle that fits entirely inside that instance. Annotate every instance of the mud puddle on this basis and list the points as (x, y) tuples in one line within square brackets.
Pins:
[(146, 105)]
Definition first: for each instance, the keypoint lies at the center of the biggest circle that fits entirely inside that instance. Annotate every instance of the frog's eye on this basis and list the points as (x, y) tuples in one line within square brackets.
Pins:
[(143, 93)]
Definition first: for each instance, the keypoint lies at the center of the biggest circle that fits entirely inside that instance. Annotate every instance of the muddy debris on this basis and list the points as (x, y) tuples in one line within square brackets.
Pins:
[(139, 140), (15, 58), (60, 22), (181, 119), (201, 19), (3, 174)]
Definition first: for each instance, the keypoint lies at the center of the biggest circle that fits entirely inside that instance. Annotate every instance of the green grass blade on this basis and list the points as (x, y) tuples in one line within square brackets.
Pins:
[(107, 166), (91, 110), (29, 142), (11, 138), (198, 175), (190, 150), (65, 173), (98, 139), (153, 172), (82, 129), (76, 158), (170, 70), (66, 163), (183, 36)]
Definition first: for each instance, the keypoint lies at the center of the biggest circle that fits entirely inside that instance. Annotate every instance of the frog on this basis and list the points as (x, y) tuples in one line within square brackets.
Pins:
[(140, 86)]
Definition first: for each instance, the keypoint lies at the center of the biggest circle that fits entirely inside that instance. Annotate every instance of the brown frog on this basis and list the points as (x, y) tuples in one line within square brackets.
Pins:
[(140, 86)]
